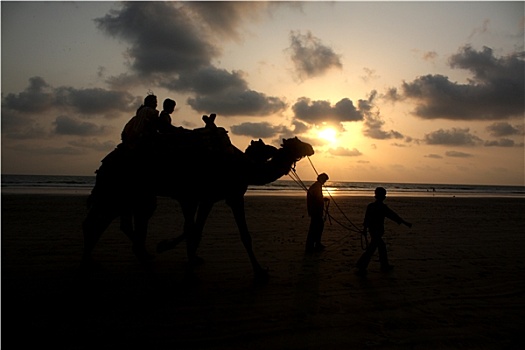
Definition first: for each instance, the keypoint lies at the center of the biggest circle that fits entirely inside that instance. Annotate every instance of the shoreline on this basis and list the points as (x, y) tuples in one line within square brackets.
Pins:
[(277, 193)]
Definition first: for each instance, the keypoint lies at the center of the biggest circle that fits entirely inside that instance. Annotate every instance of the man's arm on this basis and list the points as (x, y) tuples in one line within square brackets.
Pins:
[(393, 216)]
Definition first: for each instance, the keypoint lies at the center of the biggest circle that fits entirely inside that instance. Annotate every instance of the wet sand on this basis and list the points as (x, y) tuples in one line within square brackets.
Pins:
[(458, 281)]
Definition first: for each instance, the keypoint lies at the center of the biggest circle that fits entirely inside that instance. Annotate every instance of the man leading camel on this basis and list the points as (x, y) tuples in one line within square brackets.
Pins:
[(315, 204)]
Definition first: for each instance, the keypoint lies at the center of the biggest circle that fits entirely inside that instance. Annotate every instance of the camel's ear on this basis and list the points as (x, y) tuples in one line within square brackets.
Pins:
[(212, 117), (261, 140), (251, 143)]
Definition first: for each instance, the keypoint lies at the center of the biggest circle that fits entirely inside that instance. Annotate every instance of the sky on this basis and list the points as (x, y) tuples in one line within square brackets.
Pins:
[(411, 92)]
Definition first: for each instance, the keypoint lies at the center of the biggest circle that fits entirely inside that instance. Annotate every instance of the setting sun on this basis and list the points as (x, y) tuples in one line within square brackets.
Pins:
[(328, 134)]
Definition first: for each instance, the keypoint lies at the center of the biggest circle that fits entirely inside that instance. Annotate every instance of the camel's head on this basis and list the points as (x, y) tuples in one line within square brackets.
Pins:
[(297, 148), (260, 152)]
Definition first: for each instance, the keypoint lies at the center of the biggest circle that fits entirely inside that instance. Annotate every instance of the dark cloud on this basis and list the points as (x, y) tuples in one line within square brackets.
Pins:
[(164, 37), (344, 152), (224, 18), (373, 128), (496, 91), (500, 143), (172, 46), (65, 125), (456, 154), (225, 93), (453, 137), (259, 130), (373, 121), (208, 81), (504, 129), (234, 103), (37, 97), (40, 97), (299, 127), (96, 100), (310, 56), (318, 112)]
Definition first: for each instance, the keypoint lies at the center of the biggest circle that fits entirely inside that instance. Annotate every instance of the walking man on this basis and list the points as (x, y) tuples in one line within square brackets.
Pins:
[(374, 223)]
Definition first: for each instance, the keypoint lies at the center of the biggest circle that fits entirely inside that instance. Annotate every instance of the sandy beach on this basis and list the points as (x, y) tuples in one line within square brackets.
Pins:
[(458, 281)]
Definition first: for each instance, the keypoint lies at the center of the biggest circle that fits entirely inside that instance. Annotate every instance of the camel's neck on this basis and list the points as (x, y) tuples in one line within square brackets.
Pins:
[(272, 170)]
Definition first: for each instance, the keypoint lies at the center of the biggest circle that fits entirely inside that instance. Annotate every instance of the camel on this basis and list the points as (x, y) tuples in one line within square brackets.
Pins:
[(197, 168)]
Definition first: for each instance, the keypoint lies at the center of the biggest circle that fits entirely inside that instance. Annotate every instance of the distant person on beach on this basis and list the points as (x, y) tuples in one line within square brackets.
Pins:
[(374, 223), (315, 205)]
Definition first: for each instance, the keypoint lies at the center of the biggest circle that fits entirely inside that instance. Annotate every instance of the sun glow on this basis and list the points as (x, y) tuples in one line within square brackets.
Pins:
[(328, 134)]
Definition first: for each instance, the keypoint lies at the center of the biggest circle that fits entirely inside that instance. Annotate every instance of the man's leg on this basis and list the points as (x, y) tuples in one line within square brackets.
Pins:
[(383, 257), (364, 260), (319, 233), (310, 239)]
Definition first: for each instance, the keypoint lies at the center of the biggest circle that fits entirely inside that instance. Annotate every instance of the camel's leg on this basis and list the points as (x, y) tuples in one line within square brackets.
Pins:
[(202, 214), (126, 225), (96, 222), (142, 215), (188, 211), (237, 206), (195, 228)]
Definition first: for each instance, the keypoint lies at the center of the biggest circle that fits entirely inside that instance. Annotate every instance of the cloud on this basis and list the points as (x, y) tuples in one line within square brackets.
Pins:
[(452, 137), (504, 129), (234, 103), (433, 156), (65, 125), (317, 112), (37, 97), (500, 143), (40, 97), (259, 130), (484, 28), (373, 128), (370, 74), (225, 93), (172, 45), (31, 113), (373, 122), (164, 37), (496, 91), (225, 18), (344, 152), (208, 81), (96, 101), (430, 55), (456, 154), (310, 56)]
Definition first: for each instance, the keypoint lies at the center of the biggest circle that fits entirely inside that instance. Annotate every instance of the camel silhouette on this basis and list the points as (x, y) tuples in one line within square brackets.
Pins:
[(195, 167)]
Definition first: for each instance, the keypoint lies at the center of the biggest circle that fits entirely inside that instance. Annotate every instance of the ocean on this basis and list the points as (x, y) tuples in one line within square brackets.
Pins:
[(82, 185)]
